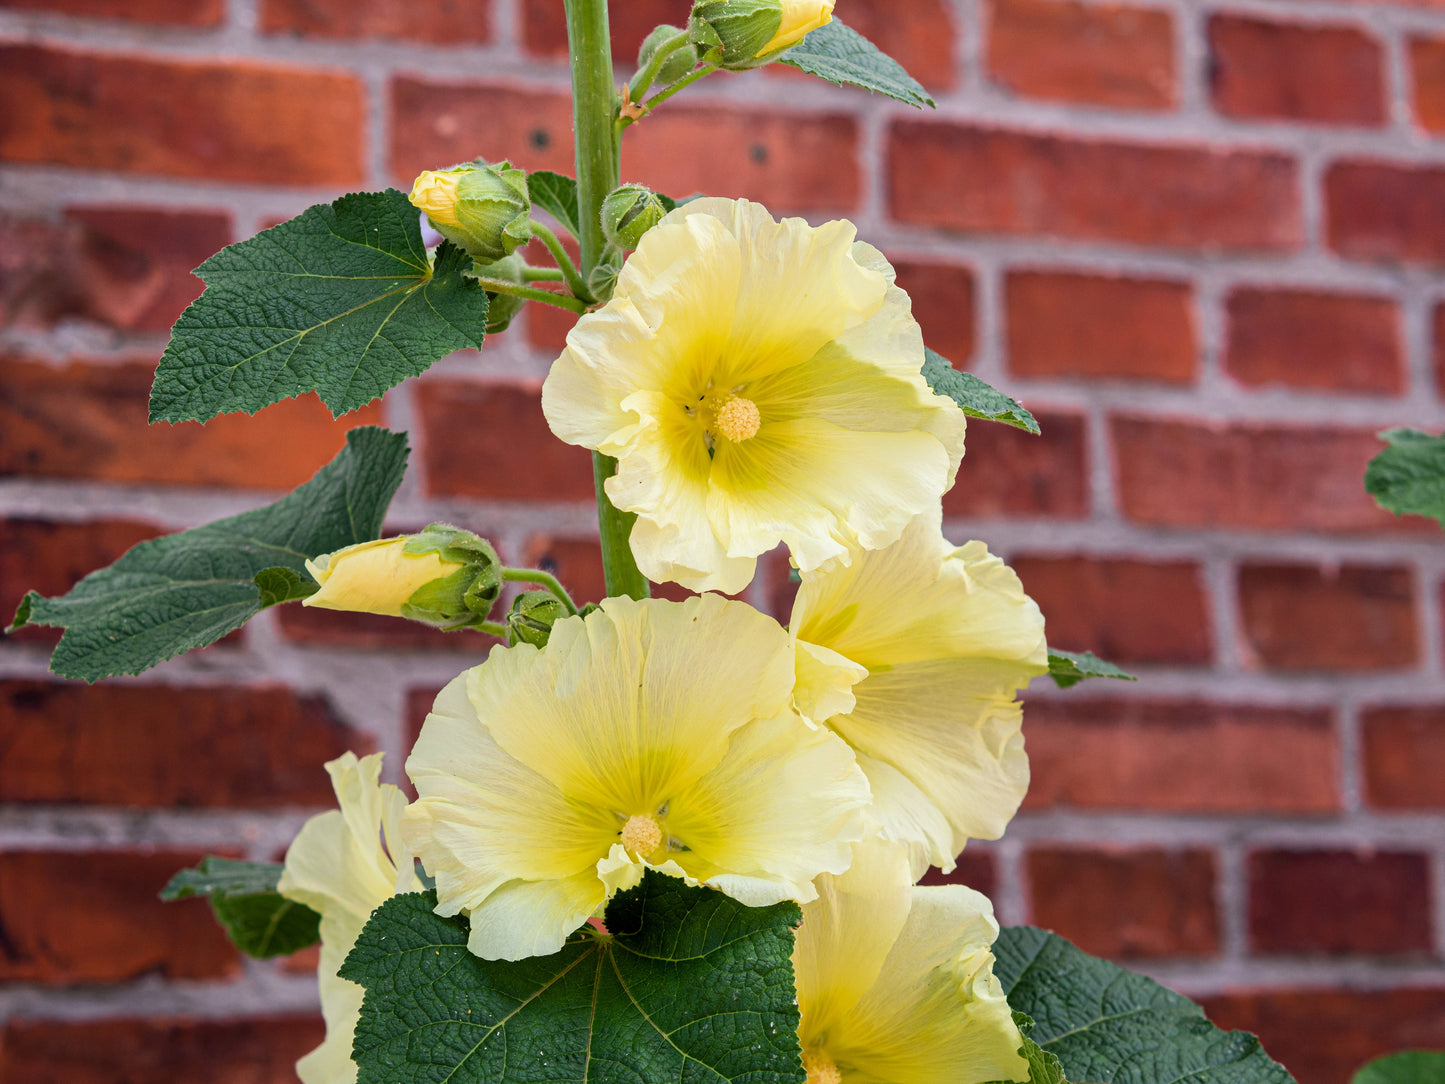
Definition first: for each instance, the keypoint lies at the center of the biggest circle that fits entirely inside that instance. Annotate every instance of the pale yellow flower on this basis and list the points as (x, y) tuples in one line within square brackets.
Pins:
[(647, 734), (758, 381), (896, 984), (913, 655), (799, 17), (344, 864), (434, 193), (375, 577)]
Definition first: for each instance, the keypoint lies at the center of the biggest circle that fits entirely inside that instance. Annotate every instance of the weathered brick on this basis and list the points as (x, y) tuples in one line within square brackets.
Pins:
[(153, 746), (1007, 472), (1427, 71), (1353, 617), (199, 13), (1177, 195), (491, 440), (371, 632), (88, 420), (1312, 340), (1313, 902), (1098, 54), (943, 303), (577, 562), (439, 22), (1437, 345), (1126, 903), (1266, 69), (1184, 473), (1124, 609), (128, 268), (544, 27), (1324, 1036), (235, 120), (1386, 211), (1181, 756), (55, 932), (1062, 323), (976, 869), (258, 1050), (1403, 750)]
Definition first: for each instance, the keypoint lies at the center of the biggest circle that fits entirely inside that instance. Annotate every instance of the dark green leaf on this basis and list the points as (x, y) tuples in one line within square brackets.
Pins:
[(1110, 1026), (1044, 1068), (279, 585), (691, 987), (187, 590), (267, 924), (557, 195), (341, 300), (1406, 1067), (1408, 477), (223, 876), (977, 399), (841, 55), (1071, 667)]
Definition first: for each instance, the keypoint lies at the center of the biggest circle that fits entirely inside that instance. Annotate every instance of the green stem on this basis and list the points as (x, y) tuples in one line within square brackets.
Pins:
[(643, 80), (493, 628), (542, 274), (564, 261), (546, 579), (594, 114), (547, 297), (662, 95)]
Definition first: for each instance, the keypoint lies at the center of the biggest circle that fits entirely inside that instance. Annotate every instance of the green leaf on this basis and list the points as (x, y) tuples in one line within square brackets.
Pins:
[(1108, 1025), (974, 397), (557, 195), (1406, 1067), (223, 876), (1071, 667), (184, 591), (279, 585), (1408, 477), (267, 924), (841, 55), (1044, 1068), (341, 300), (691, 986)]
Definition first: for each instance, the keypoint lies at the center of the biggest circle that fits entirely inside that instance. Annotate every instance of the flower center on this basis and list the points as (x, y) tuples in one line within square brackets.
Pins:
[(738, 419), (820, 1068), (641, 835)]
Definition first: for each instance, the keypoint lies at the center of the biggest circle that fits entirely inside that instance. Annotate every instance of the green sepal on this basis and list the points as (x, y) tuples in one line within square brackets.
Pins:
[(1408, 477), (493, 211), (974, 397), (734, 31), (243, 897), (1071, 667), (557, 195), (841, 55), (532, 616), (464, 598)]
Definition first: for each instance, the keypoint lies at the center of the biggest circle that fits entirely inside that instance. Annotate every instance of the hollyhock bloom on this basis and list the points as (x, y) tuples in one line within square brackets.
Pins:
[(757, 381), (913, 655), (344, 864), (647, 734), (895, 981)]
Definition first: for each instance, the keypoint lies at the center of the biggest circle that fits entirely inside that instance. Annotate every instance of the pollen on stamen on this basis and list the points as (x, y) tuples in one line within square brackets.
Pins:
[(641, 835), (738, 419), (820, 1068)]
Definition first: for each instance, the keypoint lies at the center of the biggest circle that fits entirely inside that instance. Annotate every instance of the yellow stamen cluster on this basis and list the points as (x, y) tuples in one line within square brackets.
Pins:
[(641, 835), (820, 1068), (738, 419)]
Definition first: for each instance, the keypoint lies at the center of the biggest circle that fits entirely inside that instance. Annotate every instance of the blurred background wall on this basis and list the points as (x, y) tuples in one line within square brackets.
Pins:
[(1201, 240)]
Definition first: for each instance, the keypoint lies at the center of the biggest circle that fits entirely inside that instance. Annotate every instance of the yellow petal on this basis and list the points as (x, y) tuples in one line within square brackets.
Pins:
[(374, 577), (799, 17), (534, 918), (825, 681)]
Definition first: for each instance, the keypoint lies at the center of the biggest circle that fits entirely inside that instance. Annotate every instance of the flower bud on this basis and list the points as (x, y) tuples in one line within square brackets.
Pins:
[(628, 212), (443, 576), (751, 33), (603, 278), (484, 208), (532, 616), (676, 65)]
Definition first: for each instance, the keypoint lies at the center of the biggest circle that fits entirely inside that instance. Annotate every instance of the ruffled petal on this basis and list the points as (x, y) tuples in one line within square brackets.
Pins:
[(534, 918)]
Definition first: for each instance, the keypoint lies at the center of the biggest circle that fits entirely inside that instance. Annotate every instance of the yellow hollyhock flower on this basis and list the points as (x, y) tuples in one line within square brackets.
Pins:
[(913, 655), (758, 381), (896, 984), (375, 577), (647, 734), (799, 18), (344, 864)]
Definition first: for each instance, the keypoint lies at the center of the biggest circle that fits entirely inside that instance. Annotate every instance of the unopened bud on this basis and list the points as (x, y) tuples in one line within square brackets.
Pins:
[(750, 33), (628, 212), (677, 64), (532, 616), (482, 207), (603, 278)]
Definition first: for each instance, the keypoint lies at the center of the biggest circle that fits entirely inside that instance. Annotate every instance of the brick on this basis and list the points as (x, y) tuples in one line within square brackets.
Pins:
[(577, 562), (1427, 72), (1181, 756), (1324, 1036), (55, 933), (437, 124), (156, 746), (372, 632), (1176, 195), (1096, 54), (198, 13), (1315, 341), (1403, 751), (943, 303), (235, 120), (1066, 324), (1184, 473), (976, 869), (1007, 472), (1437, 345), (492, 441), (1129, 903), (544, 27), (1385, 211), (1337, 902), (259, 1050), (1287, 71), (439, 22), (88, 420), (127, 268), (418, 704), (1354, 617), (1127, 610)]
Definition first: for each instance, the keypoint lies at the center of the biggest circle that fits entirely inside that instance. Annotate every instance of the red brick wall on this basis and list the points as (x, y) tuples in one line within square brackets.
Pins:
[(1202, 239)]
